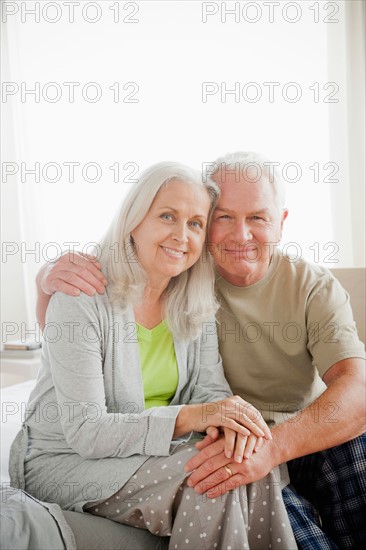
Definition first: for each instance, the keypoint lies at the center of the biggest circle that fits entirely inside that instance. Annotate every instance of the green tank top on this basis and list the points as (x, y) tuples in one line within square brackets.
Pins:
[(158, 364)]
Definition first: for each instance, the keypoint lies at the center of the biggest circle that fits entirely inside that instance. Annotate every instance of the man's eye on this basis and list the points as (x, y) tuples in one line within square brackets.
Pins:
[(257, 218), (224, 217)]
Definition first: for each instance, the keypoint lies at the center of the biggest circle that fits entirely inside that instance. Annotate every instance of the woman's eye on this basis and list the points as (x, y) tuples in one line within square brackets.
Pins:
[(167, 217), (196, 223)]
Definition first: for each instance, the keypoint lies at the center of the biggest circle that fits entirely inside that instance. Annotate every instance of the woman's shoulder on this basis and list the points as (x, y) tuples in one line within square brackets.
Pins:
[(81, 305), (82, 299)]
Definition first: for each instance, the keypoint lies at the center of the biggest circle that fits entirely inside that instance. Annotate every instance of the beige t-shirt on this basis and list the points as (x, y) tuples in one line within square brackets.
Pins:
[(280, 335)]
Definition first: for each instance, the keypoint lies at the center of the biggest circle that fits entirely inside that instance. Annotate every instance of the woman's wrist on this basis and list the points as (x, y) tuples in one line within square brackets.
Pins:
[(186, 420), (180, 422)]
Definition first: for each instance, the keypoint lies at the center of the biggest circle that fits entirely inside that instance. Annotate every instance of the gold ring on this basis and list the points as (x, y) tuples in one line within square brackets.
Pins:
[(228, 471)]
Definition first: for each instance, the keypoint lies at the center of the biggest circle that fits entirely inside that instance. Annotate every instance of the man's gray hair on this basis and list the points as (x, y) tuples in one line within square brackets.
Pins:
[(252, 167), (189, 297)]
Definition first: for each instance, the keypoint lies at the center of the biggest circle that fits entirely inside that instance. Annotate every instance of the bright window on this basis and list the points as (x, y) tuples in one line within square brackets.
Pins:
[(96, 91)]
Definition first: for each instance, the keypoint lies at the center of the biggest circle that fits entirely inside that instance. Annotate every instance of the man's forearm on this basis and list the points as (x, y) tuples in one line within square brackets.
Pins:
[(337, 416), (42, 298)]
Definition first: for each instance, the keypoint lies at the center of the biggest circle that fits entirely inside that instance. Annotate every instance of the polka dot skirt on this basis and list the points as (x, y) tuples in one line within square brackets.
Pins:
[(157, 498)]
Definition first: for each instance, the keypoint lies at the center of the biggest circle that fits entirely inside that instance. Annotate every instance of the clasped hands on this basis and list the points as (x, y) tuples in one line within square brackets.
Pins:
[(236, 452)]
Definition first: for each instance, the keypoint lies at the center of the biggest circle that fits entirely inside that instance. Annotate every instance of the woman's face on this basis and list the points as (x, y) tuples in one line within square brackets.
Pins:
[(170, 238)]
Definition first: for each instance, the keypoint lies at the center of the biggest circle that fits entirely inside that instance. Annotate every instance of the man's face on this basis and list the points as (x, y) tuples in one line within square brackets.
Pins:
[(246, 225)]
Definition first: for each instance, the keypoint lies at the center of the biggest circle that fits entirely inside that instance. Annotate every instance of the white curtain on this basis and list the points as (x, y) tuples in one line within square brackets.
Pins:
[(347, 131)]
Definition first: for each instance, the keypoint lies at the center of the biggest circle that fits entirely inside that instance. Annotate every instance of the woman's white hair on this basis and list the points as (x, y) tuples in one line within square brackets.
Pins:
[(189, 299), (252, 166)]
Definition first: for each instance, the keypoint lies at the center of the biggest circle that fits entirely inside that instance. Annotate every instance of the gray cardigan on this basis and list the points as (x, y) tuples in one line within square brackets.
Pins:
[(86, 412)]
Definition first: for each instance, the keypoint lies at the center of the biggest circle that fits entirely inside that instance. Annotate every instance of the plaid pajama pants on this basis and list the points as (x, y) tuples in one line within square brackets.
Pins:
[(326, 500)]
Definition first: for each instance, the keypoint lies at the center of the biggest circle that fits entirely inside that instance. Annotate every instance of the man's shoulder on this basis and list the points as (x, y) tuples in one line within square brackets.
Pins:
[(302, 271), (300, 280)]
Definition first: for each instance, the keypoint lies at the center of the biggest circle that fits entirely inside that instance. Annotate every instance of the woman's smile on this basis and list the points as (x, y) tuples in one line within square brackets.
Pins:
[(173, 253), (170, 238)]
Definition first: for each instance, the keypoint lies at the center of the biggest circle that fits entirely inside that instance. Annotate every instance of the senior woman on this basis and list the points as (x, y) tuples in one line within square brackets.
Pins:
[(128, 375)]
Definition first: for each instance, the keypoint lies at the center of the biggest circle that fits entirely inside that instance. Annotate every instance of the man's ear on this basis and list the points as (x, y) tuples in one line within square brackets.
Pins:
[(284, 215)]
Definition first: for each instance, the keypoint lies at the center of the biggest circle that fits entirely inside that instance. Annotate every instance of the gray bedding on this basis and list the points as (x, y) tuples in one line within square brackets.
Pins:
[(28, 523), (95, 533)]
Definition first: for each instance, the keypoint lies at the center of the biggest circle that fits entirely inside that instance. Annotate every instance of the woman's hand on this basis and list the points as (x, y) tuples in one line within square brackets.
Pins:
[(244, 446), (232, 413)]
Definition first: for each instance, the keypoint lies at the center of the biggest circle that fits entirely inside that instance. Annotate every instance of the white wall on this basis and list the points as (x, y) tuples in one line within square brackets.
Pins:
[(168, 55)]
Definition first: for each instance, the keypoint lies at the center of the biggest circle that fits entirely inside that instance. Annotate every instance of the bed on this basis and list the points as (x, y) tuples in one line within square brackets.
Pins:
[(28, 523)]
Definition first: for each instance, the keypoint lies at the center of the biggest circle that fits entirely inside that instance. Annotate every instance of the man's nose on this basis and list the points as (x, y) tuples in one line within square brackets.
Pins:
[(242, 232)]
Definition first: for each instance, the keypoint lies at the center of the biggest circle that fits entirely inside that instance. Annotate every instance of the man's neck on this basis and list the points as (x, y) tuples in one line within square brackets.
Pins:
[(247, 279)]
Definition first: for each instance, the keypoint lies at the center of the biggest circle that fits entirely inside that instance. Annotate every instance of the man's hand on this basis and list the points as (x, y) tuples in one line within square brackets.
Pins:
[(72, 273), (211, 477)]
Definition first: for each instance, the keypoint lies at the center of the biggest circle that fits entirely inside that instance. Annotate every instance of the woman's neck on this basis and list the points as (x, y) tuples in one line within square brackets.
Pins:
[(149, 313)]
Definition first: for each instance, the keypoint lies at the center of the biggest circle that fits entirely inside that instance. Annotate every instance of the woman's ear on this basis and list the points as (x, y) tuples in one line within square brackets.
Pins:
[(283, 217)]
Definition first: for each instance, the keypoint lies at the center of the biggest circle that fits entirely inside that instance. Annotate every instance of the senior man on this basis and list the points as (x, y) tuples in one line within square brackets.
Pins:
[(289, 346)]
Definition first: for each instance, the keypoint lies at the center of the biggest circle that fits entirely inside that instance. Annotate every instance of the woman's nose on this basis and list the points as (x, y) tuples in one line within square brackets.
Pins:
[(180, 232)]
